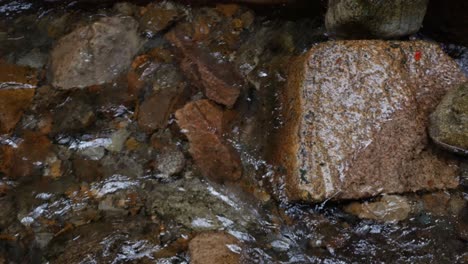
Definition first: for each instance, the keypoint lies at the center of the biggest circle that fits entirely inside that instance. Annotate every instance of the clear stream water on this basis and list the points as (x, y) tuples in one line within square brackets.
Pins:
[(108, 204)]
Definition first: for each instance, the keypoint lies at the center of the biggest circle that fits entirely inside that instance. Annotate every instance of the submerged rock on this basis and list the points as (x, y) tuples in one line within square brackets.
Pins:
[(202, 122), (155, 17), (27, 158), (16, 93), (374, 19), (94, 54), (219, 80), (167, 92), (213, 248), (355, 116), (390, 208), (449, 122)]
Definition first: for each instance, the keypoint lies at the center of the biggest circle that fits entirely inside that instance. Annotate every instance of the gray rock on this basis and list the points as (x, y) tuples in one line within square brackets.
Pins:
[(171, 162), (374, 19), (197, 205), (94, 54), (449, 122), (355, 118)]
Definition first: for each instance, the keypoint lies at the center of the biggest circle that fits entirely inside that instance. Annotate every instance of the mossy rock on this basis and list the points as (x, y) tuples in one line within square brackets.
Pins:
[(449, 122)]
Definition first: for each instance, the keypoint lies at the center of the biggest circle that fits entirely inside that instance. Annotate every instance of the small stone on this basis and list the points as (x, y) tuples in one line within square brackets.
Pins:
[(156, 17), (214, 248), (219, 80), (436, 203), (118, 140), (449, 122), (202, 122), (390, 208), (27, 158), (16, 94), (13, 102), (171, 161), (94, 54), (73, 116), (168, 91)]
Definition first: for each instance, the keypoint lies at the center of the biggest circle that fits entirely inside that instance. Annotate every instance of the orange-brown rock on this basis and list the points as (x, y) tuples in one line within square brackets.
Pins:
[(214, 248), (202, 122), (25, 158), (16, 94), (355, 118), (13, 102), (219, 80)]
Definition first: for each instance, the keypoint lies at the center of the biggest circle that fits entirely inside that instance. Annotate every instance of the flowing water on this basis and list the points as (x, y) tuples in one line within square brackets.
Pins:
[(105, 190)]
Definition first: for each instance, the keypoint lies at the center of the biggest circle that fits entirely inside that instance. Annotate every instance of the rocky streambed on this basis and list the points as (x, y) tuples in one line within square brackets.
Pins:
[(242, 132)]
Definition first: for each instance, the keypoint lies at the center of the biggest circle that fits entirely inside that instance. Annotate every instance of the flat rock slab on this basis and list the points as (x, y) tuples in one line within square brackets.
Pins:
[(449, 122), (94, 54), (355, 118)]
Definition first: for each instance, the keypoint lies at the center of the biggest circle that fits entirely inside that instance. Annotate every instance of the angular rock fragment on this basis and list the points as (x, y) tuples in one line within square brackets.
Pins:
[(202, 122), (16, 93), (355, 116), (26, 158), (449, 122), (219, 80), (211, 248), (94, 54), (374, 19), (168, 90), (157, 17)]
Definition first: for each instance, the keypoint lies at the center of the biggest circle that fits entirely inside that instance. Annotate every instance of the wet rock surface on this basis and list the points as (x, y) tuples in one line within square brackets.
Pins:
[(352, 19), (84, 57), (109, 173), (202, 122), (214, 248), (361, 131), (449, 122)]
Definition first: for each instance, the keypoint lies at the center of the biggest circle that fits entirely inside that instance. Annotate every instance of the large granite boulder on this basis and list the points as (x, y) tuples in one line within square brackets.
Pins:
[(355, 116), (374, 19), (449, 122), (94, 54)]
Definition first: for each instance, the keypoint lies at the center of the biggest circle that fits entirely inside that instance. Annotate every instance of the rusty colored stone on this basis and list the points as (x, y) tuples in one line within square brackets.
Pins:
[(202, 122), (220, 81), (23, 160), (16, 93), (214, 248), (13, 102), (355, 117)]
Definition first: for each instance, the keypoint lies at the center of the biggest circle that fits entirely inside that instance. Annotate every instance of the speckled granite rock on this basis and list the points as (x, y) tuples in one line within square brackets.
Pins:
[(374, 19), (449, 122), (355, 116), (94, 54)]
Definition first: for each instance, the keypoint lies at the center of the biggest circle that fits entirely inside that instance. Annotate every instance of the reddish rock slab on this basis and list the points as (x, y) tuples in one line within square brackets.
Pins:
[(214, 248), (16, 94), (26, 158), (220, 81), (355, 118), (202, 122)]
